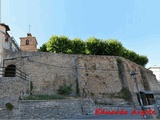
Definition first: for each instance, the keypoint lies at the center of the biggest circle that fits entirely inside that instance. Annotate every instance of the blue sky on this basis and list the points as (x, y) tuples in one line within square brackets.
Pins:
[(135, 23)]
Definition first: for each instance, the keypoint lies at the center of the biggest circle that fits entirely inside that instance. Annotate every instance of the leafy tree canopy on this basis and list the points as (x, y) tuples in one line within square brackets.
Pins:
[(78, 46), (43, 48), (92, 46)]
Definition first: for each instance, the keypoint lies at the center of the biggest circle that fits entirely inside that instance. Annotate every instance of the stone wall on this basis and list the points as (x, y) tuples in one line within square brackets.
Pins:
[(11, 89), (51, 109), (145, 78), (98, 76), (58, 109), (47, 71)]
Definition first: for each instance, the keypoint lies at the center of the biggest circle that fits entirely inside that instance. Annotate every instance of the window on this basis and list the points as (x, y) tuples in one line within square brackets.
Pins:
[(27, 42)]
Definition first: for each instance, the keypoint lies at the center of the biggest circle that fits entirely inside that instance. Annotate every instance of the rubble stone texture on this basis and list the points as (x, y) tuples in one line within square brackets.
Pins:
[(98, 77)]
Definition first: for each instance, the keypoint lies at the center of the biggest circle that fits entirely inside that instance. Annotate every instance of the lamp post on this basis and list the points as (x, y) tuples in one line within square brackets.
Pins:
[(133, 75)]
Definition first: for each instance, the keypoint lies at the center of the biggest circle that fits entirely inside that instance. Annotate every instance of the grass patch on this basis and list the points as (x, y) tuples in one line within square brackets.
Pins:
[(43, 97)]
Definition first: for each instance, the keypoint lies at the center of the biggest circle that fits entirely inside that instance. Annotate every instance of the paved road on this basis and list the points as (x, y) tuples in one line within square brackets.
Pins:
[(109, 116)]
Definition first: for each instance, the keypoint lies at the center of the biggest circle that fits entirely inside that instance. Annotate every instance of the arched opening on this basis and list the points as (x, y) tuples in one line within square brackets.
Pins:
[(10, 71)]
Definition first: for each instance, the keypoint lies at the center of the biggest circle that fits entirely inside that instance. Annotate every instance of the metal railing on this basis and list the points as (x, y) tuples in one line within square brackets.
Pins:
[(13, 72)]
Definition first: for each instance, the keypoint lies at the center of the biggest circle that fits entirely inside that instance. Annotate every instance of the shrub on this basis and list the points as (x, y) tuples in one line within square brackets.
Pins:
[(9, 106), (65, 89)]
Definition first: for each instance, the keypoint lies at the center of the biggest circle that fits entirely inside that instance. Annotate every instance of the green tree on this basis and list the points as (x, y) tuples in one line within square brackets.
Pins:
[(125, 53), (78, 46), (92, 46), (142, 60), (95, 46), (134, 57), (43, 48), (113, 47), (59, 44)]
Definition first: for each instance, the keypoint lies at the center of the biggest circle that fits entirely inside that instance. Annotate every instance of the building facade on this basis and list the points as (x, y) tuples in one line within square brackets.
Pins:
[(156, 71), (6, 41)]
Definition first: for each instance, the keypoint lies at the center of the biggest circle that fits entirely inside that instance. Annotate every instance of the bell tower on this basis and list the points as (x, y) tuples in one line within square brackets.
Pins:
[(28, 43)]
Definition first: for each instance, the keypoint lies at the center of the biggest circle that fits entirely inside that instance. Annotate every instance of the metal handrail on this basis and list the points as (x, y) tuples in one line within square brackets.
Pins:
[(13, 73)]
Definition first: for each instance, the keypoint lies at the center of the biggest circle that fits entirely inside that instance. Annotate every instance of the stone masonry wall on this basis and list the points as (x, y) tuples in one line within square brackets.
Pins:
[(145, 78), (98, 76), (47, 71), (51, 109), (11, 89)]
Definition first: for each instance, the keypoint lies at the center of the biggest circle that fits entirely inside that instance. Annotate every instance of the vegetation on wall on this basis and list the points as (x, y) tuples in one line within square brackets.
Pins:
[(31, 87), (9, 106), (119, 63), (77, 88), (65, 89), (92, 46), (120, 71), (124, 93)]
